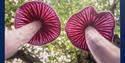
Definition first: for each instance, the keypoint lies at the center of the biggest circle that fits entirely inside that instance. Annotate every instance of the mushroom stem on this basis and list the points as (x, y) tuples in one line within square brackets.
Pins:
[(15, 39), (102, 50)]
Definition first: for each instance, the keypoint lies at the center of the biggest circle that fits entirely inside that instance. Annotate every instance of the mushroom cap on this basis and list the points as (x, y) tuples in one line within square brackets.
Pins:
[(39, 11), (103, 22)]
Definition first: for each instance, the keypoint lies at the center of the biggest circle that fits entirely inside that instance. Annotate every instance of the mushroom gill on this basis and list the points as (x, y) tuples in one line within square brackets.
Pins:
[(103, 22), (39, 11)]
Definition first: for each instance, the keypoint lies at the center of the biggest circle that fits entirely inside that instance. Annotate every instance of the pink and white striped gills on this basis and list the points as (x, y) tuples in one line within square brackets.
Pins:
[(39, 11), (103, 22)]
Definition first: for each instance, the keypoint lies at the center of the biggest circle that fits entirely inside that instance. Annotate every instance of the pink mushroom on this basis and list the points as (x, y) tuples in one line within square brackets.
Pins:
[(39, 11), (103, 22)]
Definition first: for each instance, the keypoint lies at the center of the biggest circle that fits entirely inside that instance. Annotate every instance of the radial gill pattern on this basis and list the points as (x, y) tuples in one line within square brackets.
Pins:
[(39, 11), (103, 22)]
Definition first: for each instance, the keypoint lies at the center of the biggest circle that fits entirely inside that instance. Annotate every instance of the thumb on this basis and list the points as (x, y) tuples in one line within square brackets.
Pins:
[(102, 50)]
